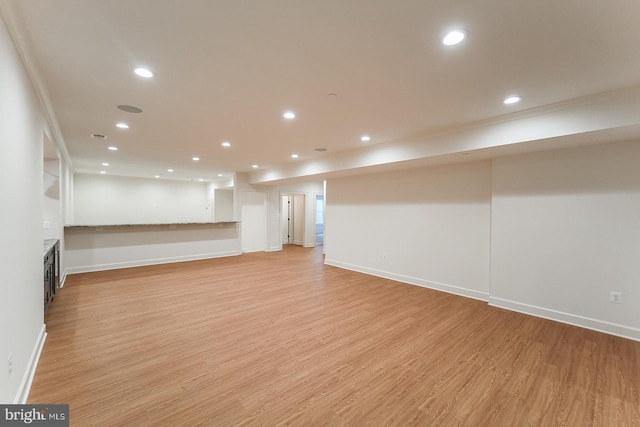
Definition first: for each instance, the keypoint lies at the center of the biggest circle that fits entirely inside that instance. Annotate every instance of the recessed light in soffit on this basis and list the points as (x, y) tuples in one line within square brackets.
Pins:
[(98, 136), (512, 99)]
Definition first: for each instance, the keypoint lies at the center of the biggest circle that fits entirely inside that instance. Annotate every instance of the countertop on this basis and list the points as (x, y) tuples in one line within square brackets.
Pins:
[(48, 244)]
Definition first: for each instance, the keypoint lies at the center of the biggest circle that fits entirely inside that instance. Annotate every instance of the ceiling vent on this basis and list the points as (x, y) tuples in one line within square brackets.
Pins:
[(129, 109)]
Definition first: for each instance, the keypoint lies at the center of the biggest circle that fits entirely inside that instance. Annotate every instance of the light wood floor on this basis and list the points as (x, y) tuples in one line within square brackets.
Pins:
[(279, 338)]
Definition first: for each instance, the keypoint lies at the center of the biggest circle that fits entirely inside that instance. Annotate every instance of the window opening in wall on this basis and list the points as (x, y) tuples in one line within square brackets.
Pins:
[(319, 230)]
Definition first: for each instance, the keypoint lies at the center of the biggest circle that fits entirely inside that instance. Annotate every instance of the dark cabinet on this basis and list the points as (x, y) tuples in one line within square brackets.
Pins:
[(51, 269)]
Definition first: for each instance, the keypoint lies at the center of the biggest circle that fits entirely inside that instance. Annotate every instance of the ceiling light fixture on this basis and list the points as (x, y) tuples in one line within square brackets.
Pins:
[(365, 138), (103, 172), (105, 164), (143, 72), (512, 99), (320, 149), (220, 175), (169, 170), (195, 159), (289, 115), (122, 125), (200, 179), (226, 144), (254, 166), (157, 176), (453, 37), (98, 136), (294, 156), (112, 148)]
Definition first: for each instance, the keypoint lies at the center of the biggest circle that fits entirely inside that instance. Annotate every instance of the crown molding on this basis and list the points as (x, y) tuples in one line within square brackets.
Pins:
[(14, 21)]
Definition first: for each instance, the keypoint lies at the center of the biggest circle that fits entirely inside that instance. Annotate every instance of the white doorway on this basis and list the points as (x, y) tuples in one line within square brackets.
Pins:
[(319, 219), (293, 211), (287, 231), (254, 221)]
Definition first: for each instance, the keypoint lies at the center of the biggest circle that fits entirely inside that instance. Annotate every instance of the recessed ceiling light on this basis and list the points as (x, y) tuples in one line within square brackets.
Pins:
[(333, 95), (122, 125), (294, 156), (169, 170), (143, 72), (320, 149), (105, 164), (195, 159), (112, 148), (254, 166), (289, 115), (511, 100), (157, 176), (103, 172), (365, 138), (200, 179), (453, 37), (129, 109), (226, 144), (220, 174), (98, 136)]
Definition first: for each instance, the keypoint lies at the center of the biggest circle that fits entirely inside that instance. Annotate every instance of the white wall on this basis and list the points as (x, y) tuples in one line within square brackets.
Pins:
[(104, 199), (566, 232), (106, 248), (22, 123), (429, 227)]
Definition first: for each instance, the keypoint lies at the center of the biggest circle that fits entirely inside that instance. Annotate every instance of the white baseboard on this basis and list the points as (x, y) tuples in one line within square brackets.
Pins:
[(27, 379), (469, 293), (568, 318), (145, 262)]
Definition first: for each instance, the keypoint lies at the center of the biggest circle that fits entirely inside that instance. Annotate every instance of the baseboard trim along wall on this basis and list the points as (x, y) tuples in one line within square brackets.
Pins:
[(557, 316), (570, 319), (145, 262), (27, 379), (469, 293)]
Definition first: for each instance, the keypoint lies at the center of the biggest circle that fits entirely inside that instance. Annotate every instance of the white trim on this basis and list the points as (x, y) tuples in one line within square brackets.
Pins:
[(146, 262), (27, 379), (469, 293), (570, 319)]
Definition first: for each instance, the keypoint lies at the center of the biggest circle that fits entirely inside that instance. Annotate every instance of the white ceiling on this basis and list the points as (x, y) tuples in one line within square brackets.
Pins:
[(228, 69)]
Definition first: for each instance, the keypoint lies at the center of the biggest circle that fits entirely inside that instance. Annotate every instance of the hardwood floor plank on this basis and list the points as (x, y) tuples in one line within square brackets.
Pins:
[(282, 339)]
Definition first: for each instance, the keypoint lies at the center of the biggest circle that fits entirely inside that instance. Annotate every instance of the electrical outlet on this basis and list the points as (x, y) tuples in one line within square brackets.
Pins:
[(10, 362), (615, 297)]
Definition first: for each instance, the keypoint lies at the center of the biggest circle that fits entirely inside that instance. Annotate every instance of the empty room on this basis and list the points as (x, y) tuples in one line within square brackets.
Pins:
[(320, 212)]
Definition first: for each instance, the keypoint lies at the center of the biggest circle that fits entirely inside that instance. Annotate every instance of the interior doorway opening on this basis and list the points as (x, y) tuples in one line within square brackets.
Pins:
[(293, 218), (319, 219)]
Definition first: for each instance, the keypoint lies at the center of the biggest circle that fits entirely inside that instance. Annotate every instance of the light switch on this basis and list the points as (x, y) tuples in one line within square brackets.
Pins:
[(45, 224)]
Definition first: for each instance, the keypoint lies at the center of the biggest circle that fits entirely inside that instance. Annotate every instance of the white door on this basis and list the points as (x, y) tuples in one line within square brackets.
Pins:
[(286, 219), (254, 221)]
